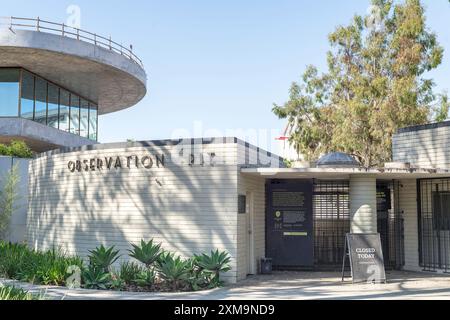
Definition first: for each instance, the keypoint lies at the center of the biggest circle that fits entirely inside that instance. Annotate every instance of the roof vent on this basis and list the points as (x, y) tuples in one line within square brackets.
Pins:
[(337, 160)]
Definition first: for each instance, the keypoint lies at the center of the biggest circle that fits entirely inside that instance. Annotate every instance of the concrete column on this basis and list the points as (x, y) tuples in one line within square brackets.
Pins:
[(363, 204)]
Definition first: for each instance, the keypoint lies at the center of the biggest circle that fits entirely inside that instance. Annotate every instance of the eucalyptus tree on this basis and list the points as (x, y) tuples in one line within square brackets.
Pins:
[(375, 83)]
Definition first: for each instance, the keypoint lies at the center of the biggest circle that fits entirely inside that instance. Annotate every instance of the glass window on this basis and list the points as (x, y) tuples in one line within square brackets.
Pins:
[(53, 107), (9, 92), (40, 110), (64, 110), (74, 114), (27, 99), (84, 118), (93, 113)]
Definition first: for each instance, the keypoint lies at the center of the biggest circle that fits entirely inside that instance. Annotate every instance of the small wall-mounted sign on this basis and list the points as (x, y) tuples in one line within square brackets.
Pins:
[(242, 204)]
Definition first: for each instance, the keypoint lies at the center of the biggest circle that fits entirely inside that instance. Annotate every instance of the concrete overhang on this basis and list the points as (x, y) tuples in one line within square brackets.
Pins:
[(345, 173), (40, 138), (103, 76)]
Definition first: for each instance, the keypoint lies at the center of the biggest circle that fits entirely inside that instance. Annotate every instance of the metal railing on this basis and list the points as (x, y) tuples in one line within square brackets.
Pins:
[(70, 32)]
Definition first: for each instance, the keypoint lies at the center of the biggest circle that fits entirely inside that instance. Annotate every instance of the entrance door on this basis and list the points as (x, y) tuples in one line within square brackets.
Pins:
[(289, 223)]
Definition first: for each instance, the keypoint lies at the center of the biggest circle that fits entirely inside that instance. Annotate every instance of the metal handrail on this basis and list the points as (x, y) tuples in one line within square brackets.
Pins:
[(70, 32)]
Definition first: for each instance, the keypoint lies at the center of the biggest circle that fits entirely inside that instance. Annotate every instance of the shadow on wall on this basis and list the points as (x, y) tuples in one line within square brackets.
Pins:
[(426, 148), (190, 211)]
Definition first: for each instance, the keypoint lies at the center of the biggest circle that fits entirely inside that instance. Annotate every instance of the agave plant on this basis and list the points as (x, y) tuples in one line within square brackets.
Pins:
[(102, 258), (96, 278), (198, 279), (147, 252), (214, 264), (129, 271), (173, 270), (145, 278)]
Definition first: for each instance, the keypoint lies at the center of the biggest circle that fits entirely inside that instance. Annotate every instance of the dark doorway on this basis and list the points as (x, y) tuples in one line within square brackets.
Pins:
[(289, 224), (390, 224), (331, 222), (434, 224), (323, 207)]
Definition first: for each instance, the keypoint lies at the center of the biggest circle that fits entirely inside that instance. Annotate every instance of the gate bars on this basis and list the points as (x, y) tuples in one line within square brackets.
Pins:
[(434, 224)]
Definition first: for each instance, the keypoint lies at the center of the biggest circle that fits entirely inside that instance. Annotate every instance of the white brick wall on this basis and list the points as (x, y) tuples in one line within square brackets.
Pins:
[(190, 209), (425, 148), (255, 186)]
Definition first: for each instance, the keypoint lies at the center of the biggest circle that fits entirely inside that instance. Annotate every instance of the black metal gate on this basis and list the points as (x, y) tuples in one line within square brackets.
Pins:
[(390, 225), (331, 210), (434, 224), (331, 222)]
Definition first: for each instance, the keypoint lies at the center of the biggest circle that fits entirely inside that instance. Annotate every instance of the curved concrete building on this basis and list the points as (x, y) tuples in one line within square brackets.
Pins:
[(55, 81)]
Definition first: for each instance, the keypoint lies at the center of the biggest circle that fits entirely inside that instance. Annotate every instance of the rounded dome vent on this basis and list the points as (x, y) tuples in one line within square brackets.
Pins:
[(337, 160)]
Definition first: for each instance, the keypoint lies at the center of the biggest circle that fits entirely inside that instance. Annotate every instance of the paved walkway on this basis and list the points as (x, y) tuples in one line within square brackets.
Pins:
[(282, 285)]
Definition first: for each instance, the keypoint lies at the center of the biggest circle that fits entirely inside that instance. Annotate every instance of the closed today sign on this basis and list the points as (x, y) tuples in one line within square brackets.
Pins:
[(366, 257)]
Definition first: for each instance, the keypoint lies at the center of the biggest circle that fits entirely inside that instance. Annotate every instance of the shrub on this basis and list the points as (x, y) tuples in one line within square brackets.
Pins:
[(18, 262), (116, 282), (102, 258), (147, 252), (214, 264), (198, 279), (145, 278), (163, 269), (16, 148), (96, 278), (9, 195), (129, 272), (12, 293), (173, 270)]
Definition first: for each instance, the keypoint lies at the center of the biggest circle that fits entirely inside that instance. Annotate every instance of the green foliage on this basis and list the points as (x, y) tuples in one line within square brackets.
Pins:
[(375, 84), (443, 108), (147, 252), (145, 278), (198, 279), (129, 272), (102, 258), (173, 270), (214, 264), (287, 163), (18, 262), (52, 267), (16, 294), (117, 283), (16, 148), (8, 198), (96, 278)]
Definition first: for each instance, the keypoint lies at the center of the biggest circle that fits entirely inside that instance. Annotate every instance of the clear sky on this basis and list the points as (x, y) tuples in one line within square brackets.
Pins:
[(216, 67)]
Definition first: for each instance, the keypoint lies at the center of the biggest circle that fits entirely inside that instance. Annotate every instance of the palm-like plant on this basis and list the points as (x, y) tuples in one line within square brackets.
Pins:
[(102, 258), (147, 252), (214, 264), (173, 270)]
